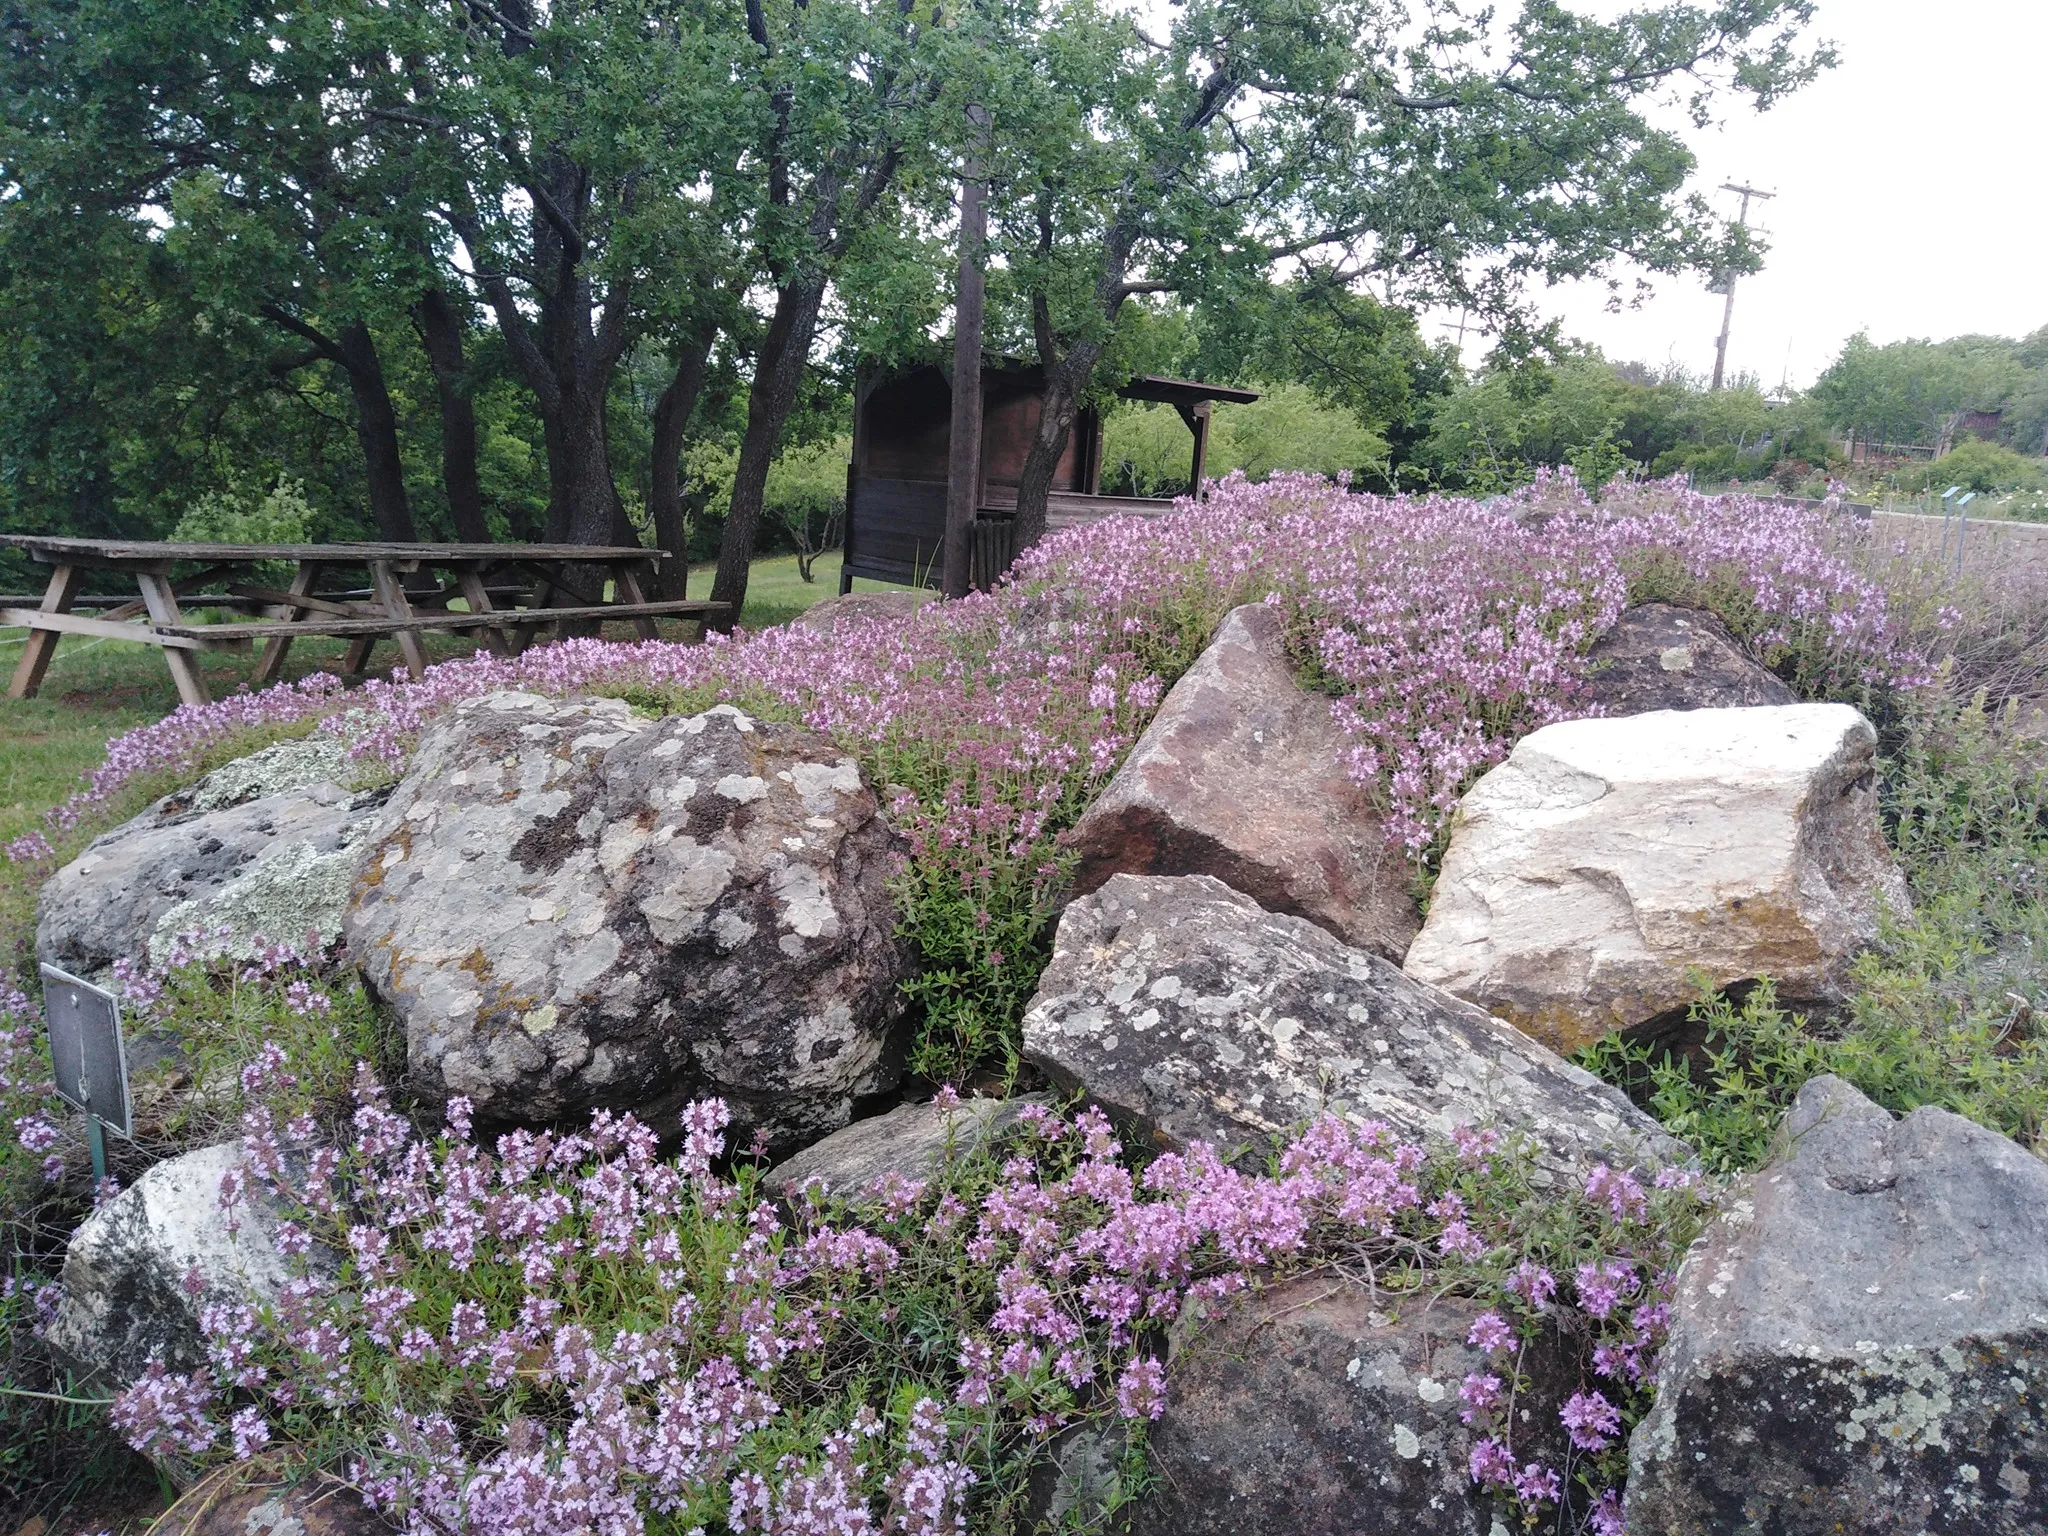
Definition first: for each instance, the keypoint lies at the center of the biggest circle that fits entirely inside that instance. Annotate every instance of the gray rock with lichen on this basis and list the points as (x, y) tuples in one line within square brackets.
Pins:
[(1190, 1013), (1859, 1341), (128, 1292), (1319, 1407), (571, 906), (302, 763), (263, 847), (912, 1141)]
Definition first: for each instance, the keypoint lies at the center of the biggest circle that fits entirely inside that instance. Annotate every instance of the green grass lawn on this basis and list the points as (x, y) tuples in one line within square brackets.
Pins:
[(95, 689)]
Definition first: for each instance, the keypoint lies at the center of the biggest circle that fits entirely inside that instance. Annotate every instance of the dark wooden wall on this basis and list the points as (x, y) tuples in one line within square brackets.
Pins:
[(896, 486)]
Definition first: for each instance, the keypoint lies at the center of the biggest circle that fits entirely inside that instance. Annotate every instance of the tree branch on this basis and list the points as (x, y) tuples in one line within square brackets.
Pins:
[(560, 222), (323, 345), (492, 13)]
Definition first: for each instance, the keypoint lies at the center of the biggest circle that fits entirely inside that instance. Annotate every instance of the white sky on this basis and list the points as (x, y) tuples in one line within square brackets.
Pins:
[(1913, 198)]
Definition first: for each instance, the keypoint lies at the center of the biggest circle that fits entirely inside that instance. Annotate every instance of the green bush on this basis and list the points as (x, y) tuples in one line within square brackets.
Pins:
[(1975, 465), (1148, 450)]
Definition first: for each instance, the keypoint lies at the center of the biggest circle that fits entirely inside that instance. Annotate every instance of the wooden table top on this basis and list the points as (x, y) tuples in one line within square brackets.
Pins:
[(116, 552)]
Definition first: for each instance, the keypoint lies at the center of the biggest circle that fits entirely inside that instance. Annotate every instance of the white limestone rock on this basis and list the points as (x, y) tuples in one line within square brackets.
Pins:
[(125, 1299), (1606, 859)]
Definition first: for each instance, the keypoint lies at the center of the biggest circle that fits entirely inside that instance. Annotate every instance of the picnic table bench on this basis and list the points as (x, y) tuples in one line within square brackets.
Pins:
[(579, 573)]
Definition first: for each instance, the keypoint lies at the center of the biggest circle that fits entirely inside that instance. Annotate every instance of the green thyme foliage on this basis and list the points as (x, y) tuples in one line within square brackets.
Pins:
[(1755, 1059)]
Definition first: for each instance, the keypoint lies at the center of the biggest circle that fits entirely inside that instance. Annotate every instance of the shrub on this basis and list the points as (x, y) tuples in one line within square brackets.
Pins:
[(1975, 465)]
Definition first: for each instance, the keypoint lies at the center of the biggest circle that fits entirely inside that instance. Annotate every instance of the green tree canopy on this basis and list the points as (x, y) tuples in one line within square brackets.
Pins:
[(1450, 158), (1905, 392)]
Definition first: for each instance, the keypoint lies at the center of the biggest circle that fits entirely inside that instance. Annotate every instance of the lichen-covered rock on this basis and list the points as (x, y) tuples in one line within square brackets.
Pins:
[(1661, 657), (302, 763), (1240, 775), (1859, 1342), (913, 1141), (1606, 862), (854, 607), (1191, 1013), (571, 906), (125, 1299), (270, 1497), (263, 847), (1314, 1409)]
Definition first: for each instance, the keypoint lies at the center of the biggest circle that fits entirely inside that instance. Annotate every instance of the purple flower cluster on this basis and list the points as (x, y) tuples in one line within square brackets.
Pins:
[(1624, 1351), (1443, 627), (27, 1095), (632, 1335)]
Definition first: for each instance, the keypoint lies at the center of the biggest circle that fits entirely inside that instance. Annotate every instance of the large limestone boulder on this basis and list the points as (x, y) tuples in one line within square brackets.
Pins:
[(1240, 775), (1316, 1409), (1191, 1013), (1590, 873), (1860, 1341), (574, 907), (1661, 657), (125, 1297), (914, 1142), (264, 847)]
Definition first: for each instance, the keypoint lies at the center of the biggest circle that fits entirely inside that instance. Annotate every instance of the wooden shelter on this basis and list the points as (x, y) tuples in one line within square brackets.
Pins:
[(902, 437)]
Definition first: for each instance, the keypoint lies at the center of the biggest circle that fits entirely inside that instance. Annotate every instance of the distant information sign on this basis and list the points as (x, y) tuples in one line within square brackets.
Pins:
[(86, 1049)]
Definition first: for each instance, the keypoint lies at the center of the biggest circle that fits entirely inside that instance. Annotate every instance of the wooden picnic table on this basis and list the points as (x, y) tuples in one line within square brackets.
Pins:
[(389, 608)]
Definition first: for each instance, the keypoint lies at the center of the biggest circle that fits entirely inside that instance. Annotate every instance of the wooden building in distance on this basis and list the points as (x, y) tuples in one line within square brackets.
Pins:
[(902, 433)]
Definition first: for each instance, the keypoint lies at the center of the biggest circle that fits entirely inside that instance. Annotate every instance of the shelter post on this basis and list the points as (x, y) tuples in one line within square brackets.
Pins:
[(963, 463)]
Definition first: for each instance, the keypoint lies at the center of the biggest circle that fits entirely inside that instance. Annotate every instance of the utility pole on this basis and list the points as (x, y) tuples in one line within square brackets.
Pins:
[(1727, 283), (963, 467)]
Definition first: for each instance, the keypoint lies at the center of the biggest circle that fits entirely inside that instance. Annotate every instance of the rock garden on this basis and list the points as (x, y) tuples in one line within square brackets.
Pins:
[(1319, 1013)]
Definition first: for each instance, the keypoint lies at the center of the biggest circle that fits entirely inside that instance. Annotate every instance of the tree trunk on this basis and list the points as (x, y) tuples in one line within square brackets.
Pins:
[(377, 433), (589, 500), (1063, 382), (665, 485), (785, 352), (440, 327)]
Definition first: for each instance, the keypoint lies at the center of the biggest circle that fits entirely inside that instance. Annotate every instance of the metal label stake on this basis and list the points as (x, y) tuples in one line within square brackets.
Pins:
[(89, 1058)]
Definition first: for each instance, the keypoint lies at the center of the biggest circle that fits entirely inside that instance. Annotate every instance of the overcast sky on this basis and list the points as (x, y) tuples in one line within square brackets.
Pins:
[(1912, 186)]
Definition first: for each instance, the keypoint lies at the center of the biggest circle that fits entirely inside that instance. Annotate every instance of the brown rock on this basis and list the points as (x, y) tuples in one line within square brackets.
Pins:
[(270, 1498), (1311, 1410), (1240, 776), (1661, 657)]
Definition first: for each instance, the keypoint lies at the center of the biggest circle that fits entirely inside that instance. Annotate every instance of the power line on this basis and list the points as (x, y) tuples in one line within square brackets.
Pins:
[(1726, 283)]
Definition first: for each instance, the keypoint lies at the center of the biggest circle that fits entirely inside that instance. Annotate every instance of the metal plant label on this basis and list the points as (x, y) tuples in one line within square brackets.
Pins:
[(86, 1050)]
